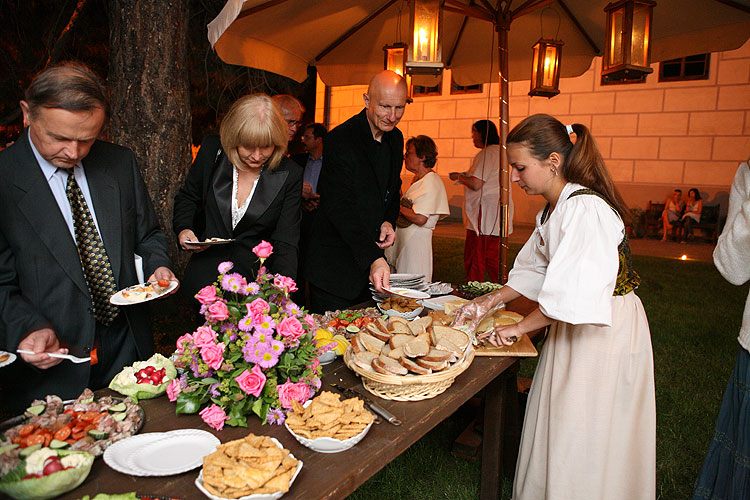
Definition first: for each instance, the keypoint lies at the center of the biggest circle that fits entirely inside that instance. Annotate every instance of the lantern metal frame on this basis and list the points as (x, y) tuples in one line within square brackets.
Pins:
[(618, 64), (542, 84), (391, 53)]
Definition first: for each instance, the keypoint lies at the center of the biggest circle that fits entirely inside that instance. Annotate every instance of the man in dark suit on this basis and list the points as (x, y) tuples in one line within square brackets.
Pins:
[(359, 196), (74, 212)]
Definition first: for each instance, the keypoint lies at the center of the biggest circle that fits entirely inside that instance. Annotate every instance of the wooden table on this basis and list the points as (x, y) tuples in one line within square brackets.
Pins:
[(337, 475)]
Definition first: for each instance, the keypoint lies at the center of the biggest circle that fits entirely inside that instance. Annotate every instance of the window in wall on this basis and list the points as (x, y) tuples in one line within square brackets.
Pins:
[(465, 89), (423, 91), (686, 68)]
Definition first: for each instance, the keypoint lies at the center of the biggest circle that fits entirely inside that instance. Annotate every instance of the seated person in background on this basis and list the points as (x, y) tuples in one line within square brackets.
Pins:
[(692, 215), (421, 206), (673, 208), (241, 186)]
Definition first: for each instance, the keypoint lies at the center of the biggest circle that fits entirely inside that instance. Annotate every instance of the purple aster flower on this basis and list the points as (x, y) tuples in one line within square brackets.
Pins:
[(225, 267), (251, 352), (292, 309), (315, 382), (214, 390), (275, 416), (268, 358), (246, 323), (265, 325), (252, 288), (233, 282), (277, 347), (183, 380)]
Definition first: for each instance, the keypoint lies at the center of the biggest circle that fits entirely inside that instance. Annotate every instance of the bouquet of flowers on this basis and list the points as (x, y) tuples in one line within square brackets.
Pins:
[(255, 353)]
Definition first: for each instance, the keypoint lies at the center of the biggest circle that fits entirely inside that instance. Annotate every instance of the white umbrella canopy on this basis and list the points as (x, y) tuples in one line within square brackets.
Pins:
[(344, 38)]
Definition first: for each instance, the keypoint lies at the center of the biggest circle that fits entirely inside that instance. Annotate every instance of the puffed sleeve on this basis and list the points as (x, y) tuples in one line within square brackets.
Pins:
[(583, 262), (529, 269), (732, 249)]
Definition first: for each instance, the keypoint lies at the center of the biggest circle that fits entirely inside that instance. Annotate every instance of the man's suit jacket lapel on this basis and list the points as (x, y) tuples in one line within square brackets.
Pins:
[(36, 202), (105, 196), (270, 183)]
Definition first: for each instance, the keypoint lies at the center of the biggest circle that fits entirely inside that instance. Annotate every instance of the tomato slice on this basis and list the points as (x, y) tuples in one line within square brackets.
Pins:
[(26, 430), (63, 433), (35, 439)]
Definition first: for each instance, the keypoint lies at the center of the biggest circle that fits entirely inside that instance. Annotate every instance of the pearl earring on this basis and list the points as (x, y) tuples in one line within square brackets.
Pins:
[(554, 170)]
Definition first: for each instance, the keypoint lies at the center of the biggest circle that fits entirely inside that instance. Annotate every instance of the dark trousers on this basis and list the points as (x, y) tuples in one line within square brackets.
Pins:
[(322, 301), (115, 348)]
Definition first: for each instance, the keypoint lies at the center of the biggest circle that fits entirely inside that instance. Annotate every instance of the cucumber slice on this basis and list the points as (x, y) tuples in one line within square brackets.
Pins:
[(56, 444), (119, 417), (86, 401), (97, 434), (29, 450), (117, 408), (7, 447), (36, 409)]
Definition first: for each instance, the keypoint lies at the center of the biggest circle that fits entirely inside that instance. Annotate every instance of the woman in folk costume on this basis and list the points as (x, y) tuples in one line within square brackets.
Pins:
[(590, 425), (423, 204)]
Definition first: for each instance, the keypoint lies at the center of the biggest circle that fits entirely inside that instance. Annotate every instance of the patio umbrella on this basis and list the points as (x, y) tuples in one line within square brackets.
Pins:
[(482, 40)]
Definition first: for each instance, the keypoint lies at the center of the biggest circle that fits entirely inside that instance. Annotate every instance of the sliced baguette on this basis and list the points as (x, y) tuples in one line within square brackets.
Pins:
[(369, 342), (456, 337), (435, 366), (376, 332), (364, 359), (416, 347), (391, 366), (436, 355), (414, 367), (399, 339)]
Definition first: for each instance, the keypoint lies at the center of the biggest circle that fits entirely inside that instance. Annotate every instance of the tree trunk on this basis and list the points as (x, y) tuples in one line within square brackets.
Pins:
[(148, 76)]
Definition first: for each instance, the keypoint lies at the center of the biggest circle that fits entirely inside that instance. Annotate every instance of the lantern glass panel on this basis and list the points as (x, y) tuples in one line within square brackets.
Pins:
[(617, 18), (639, 49), (550, 66), (426, 17), (535, 65), (394, 59)]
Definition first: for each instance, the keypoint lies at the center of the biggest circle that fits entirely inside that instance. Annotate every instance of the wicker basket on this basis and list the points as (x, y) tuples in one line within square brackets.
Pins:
[(409, 387)]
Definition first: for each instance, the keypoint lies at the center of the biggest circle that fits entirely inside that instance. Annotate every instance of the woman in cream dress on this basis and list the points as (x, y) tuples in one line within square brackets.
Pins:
[(590, 425), (412, 251)]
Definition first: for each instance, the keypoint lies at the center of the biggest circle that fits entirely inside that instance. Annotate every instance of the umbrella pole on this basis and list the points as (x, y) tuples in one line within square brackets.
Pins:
[(502, 27)]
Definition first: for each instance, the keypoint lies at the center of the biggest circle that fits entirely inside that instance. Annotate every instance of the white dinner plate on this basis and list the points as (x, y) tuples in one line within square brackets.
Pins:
[(11, 358), (176, 452), (118, 299), (406, 277), (407, 292), (210, 243), (117, 455)]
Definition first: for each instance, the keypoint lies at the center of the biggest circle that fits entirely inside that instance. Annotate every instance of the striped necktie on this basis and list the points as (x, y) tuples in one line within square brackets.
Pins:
[(94, 261)]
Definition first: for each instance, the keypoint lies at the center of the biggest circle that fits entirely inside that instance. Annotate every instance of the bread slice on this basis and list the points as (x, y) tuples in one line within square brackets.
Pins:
[(456, 337), (434, 366), (416, 347), (414, 367), (426, 337), (398, 327), (357, 346), (364, 359), (440, 318), (451, 307), (382, 325), (398, 319), (436, 355), (509, 314), (396, 353), (391, 366), (369, 342), (419, 325), (376, 332), (399, 339), (447, 345), (386, 349)]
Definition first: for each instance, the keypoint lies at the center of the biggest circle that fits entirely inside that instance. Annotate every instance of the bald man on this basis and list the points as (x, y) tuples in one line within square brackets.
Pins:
[(359, 190)]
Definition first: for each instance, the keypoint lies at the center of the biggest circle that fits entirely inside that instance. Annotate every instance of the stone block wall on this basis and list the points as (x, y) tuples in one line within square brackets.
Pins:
[(655, 136)]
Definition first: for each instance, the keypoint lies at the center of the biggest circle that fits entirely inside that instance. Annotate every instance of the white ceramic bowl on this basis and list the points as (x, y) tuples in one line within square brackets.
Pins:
[(258, 496), (327, 357), (327, 444), (407, 315)]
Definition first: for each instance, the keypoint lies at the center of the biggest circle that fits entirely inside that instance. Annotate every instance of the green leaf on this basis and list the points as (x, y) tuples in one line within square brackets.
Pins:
[(189, 402), (208, 381), (258, 408)]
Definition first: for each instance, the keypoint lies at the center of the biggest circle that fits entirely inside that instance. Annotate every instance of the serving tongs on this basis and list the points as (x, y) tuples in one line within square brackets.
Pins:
[(373, 407)]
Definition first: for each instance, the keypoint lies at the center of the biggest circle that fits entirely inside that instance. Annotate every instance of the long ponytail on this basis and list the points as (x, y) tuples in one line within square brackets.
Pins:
[(583, 163)]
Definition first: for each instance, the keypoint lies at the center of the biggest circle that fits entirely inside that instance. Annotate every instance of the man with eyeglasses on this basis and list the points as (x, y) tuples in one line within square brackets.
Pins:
[(292, 109), (359, 198)]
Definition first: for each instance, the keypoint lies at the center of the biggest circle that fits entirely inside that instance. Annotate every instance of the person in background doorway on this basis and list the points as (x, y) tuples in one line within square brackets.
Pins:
[(482, 205)]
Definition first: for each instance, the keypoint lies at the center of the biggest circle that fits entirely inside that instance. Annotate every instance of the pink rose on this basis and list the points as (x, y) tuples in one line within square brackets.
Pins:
[(285, 283), (187, 338), (173, 389), (291, 328), (206, 295), (214, 416), (258, 306), (203, 336), (289, 392), (225, 267), (309, 320), (252, 382), (263, 249), (217, 312), (213, 355)]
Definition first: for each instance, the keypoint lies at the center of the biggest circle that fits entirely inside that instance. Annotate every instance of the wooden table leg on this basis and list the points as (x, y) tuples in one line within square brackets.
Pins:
[(501, 434)]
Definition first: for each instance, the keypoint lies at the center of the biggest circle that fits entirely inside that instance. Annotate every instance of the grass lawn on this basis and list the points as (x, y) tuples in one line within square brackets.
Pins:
[(694, 315)]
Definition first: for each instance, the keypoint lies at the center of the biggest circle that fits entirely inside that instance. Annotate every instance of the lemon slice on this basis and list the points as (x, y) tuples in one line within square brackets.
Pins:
[(322, 333), (341, 344)]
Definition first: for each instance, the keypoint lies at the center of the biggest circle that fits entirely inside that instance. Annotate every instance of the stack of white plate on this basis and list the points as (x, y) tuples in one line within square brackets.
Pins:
[(161, 453), (407, 281)]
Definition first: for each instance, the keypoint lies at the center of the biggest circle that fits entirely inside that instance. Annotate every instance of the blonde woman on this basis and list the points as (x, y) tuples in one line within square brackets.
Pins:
[(241, 187)]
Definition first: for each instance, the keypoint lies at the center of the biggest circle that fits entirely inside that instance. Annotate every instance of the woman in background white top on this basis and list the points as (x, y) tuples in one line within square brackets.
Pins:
[(481, 205), (726, 471), (589, 431), (423, 204)]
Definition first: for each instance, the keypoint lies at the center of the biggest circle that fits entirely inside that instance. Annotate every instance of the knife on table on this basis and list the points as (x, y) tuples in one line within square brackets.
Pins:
[(373, 407)]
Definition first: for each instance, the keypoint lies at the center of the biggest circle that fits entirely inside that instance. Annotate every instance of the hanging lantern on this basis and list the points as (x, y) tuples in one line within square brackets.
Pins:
[(545, 68), (395, 58), (627, 53), (424, 54)]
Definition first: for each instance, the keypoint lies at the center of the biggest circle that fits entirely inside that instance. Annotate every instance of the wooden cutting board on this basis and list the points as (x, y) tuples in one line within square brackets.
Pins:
[(523, 348)]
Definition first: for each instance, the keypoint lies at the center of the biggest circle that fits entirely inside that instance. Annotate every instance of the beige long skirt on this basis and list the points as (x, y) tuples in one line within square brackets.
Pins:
[(590, 425)]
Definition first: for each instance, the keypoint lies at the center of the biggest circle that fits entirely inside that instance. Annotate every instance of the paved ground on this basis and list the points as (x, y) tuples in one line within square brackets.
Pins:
[(640, 246)]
